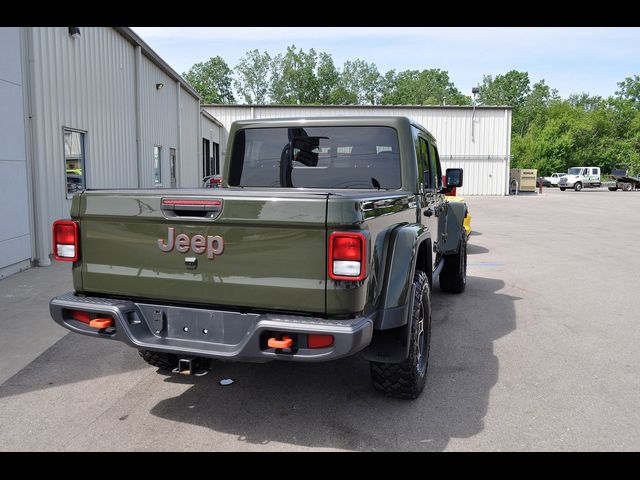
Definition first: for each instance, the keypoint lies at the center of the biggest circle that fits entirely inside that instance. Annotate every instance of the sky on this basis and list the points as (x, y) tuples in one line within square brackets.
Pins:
[(572, 60)]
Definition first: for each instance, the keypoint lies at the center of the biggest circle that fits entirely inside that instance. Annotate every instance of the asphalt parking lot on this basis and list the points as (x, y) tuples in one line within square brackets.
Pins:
[(540, 353)]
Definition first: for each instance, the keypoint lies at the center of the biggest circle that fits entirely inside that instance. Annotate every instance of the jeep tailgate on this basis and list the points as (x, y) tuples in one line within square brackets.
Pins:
[(274, 254)]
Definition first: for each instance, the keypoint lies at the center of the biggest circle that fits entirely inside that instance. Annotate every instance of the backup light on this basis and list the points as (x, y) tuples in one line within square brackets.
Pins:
[(347, 256), (65, 240)]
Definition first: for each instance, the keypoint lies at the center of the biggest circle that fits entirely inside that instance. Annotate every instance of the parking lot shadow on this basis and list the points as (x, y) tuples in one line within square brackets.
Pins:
[(476, 249), (74, 358), (333, 405)]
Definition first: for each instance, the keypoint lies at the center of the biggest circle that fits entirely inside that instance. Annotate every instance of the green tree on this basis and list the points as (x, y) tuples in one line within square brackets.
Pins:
[(630, 90), (510, 89), (548, 144), (535, 106), (328, 78), (513, 89), (360, 83), (294, 77), (253, 76), (212, 80), (421, 87), (585, 101), (581, 130)]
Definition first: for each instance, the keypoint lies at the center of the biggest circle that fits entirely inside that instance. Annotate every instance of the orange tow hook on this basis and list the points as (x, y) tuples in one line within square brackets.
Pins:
[(286, 342), (101, 322)]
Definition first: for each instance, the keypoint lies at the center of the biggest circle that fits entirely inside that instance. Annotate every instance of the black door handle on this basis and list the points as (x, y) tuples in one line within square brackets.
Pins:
[(428, 212)]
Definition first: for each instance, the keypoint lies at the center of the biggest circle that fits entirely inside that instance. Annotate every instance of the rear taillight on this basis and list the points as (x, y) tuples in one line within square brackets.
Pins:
[(214, 182), (347, 256), (65, 240)]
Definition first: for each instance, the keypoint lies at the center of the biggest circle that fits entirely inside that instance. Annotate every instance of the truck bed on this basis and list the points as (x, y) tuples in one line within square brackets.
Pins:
[(271, 254)]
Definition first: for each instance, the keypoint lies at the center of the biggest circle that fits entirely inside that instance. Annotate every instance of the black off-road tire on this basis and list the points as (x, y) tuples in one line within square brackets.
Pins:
[(453, 276), (163, 361), (562, 189), (613, 189), (407, 379), (578, 186)]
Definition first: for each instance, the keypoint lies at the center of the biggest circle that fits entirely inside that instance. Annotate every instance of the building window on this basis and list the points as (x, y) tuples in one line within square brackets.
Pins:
[(215, 156), (206, 158), (157, 165), (74, 156), (172, 167), (210, 158)]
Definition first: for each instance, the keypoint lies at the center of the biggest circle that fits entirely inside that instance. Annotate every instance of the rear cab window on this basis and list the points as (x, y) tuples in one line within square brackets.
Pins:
[(316, 157)]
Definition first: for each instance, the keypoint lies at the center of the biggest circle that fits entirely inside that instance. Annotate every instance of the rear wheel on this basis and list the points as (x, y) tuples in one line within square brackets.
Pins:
[(577, 187), (163, 361), (613, 189), (627, 187), (407, 379), (453, 277)]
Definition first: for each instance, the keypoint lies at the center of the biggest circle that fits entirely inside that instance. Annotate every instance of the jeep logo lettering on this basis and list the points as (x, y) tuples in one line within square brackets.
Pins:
[(214, 245)]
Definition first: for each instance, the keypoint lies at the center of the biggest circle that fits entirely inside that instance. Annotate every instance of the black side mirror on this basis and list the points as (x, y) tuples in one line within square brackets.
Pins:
[(454, 177)]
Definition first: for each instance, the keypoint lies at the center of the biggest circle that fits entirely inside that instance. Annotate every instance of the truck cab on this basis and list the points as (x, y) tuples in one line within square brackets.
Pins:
[(579, 178)]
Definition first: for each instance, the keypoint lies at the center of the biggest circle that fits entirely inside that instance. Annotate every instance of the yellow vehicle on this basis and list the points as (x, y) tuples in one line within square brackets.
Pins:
[(467, 217)]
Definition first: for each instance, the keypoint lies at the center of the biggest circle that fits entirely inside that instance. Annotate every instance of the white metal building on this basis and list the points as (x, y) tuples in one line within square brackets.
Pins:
[(477, 140), (92, 107)]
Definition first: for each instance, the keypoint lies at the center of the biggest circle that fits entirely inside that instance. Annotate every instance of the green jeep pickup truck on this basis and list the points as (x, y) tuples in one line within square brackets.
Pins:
[(323, 241)]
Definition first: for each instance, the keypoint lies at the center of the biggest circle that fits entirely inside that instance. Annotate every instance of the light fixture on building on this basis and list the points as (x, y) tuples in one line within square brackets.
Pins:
[(475, 91), (74, 32), (159, 86)]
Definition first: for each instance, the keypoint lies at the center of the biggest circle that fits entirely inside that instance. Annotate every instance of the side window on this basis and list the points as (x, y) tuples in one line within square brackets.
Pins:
[(594, 171), (419, 158), (424, 153), (74, 160), (435, 166)]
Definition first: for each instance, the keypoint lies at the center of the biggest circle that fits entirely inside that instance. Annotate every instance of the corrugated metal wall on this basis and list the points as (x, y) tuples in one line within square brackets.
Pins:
[(159, 120), (90, 84), (190, 158), (212, 132), (483, 175), (485, 157), (86, 84), (15, 232)]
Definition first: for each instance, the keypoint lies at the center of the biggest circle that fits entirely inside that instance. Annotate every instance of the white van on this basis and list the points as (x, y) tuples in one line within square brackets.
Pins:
[(579, 178)]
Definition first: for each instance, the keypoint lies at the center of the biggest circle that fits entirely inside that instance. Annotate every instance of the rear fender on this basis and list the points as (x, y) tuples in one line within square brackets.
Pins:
[(456, 212), (411, 246), (401, 262)]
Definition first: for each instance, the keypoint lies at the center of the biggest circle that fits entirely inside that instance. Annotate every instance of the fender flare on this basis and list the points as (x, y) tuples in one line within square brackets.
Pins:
[(456, 211), (405, 245), (409, 245)]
